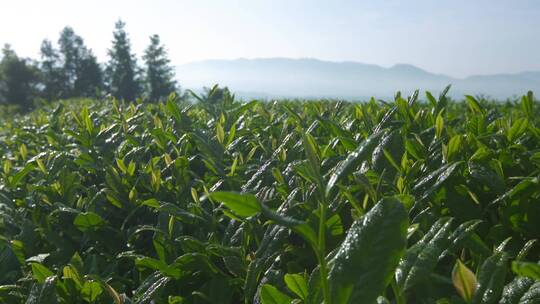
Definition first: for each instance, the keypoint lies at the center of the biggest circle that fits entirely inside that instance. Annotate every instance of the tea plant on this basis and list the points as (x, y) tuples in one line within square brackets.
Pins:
[(221, 201)]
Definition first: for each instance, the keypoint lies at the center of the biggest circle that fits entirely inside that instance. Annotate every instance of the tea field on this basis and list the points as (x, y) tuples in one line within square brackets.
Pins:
[(411, 200)]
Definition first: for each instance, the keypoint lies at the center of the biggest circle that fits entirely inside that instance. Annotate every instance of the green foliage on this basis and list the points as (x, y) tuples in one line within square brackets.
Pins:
[(18, 80), (271, 202), (272, 295), (365, 262), (72, 71), (80, 72), (242, 204), (122, 72), (52, 76), (159, 75), (464, 280), (527, 269)]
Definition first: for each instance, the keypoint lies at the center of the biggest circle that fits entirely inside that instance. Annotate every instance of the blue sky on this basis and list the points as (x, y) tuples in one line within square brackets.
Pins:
[(458, 38)]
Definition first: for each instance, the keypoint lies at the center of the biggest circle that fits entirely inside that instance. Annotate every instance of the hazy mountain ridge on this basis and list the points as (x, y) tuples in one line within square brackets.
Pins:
[(285, 77)]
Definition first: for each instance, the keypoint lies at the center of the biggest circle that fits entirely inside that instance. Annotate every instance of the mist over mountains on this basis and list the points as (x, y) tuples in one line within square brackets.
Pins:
[(312, 78)]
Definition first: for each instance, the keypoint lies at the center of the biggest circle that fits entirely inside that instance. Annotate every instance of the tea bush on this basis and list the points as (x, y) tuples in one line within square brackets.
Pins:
[(222, 201)]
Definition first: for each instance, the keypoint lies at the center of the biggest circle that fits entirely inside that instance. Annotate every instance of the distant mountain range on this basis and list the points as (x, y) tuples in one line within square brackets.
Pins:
[(310, 78)]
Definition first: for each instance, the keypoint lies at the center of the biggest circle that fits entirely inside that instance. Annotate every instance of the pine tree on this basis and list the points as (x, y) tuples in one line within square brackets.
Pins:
[(89, 80), (70, 48), (81, 73), (51, 74), (18, 79), (122, 71), (159, 75)]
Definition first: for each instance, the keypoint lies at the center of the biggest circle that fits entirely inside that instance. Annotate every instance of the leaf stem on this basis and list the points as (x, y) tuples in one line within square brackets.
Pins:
[(397, 293), (322, 253)]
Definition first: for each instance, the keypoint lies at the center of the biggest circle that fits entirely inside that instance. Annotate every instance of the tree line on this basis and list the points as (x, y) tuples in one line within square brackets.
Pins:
[(71, 70)]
